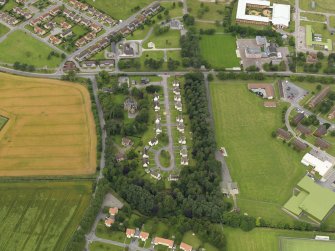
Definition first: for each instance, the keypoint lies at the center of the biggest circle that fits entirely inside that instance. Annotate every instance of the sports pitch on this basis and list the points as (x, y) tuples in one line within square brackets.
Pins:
[(41, 215), (292, 244), (50, 130)]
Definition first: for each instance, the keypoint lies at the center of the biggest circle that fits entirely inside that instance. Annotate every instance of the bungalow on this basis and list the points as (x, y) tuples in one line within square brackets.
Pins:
[(183, 152), (55, 40), (175, 83), (158, 129), (156, 97), (156, 106), (144, 236), (109, 222), (153, 142), (184, 161), (39, 31), (158, 120), (65, 26), (155, 175), (130, 233), (113, 211), (299, 145), (173, 177), (304, 129), (126, 142), (322, 144), (185, 247), (182, 140), (145, 153), (283, 134), (66, 33), (181, 127), (298, 118), (322, 130), (162, 241)]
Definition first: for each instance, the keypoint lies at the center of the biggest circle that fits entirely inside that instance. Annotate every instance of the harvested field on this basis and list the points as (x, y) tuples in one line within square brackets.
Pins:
[(50, 130)]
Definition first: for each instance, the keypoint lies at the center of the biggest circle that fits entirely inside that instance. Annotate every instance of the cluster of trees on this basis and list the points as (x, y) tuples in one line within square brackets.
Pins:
[(252, 68), (159, 30), (243, 75), (153, 63), (202, 10), (56, 54), (325, 106), (173, 64), (190, 50), (227, 14), (129, 63), (331, 64), (24, 67), (310, 120), (271, 67), (312, 79), (207, 32), (188, 20)]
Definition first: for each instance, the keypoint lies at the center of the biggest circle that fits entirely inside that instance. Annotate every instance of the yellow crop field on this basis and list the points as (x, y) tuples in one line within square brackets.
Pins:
[(50, 130)]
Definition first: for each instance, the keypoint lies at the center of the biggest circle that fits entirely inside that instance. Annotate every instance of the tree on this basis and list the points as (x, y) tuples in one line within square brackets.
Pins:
[(320, 55)]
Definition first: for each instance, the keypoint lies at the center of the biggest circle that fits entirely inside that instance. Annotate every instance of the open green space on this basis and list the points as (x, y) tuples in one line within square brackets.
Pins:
[(206, 11), (314, 17), (9, 5), (259, 163), (41, 215), (293, 244), (175, 10), (164, 158), (119, 9), (21, 47), (99, 246), (332, 21), (263, 239), (325, 6), (169, 39), (3, 30), (219, 50), (3, 121)]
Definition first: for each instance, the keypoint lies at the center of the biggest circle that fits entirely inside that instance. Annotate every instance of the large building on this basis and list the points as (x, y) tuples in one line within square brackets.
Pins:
[(320, 166), (316, 41), (278, 14)]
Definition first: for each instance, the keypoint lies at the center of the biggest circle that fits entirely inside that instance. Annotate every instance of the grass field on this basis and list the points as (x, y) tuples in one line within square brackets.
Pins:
[(314, 17), (259, 163), (169, 39), (219, 50), (325, 6), (50, 131), (213, 13), (3, 30), (263, 239), (176, 11), (318, 28), (20, 47), (119, 9), (293, 244), (98, 246), (41, 215)]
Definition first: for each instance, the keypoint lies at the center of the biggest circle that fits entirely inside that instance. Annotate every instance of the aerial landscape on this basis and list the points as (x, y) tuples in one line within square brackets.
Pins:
[(185, 125)]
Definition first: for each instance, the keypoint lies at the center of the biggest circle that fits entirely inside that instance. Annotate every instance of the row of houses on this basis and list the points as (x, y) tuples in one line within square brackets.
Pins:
[(21, 12), (86, 39), (46, 16), (319, 97), (8, 19), (83, 21), (101, 63)]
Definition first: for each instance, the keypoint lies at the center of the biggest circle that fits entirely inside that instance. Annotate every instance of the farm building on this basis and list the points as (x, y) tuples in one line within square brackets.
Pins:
[(314, 201), (322, 130), (320, 166), (263, 90), (319, 97), (323, 144), (285, 135)]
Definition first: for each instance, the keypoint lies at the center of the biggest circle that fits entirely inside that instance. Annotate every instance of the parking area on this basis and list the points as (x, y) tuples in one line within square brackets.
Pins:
[(292, 92)]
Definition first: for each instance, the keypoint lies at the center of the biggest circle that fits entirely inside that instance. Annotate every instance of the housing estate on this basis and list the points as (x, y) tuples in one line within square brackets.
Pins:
[(319, 97)]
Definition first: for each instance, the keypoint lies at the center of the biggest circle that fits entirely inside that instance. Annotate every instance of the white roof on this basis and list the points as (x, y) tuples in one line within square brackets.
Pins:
[(281, 14), (241, 9), (320, 166)]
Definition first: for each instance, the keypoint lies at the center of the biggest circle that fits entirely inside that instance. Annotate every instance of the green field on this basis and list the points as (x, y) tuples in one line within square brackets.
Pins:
[(176, 11), (98, 246), (259, 163), (332, 21), (119, 9), (213, 13), (20, 47), (314, 17), (325, 6), (318, 28), (169, 39), (3, 30), (292, 244), (219, 50), (41, 215), (263, 239)]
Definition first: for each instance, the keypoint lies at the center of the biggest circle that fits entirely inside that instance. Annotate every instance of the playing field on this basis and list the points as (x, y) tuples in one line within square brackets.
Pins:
[(326, 6), (119, 9), (259, 163), (266, 239), (41, 215), (21, 47), (292, 244), (219, 50), (50, 131)]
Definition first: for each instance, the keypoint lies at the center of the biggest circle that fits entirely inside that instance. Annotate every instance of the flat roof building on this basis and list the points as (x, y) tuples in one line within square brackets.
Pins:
[(320, 166)]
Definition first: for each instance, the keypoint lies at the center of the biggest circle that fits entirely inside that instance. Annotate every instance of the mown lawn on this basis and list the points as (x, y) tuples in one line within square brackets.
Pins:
[(326, 6), (21, 47), (213, 13), (41, 215), (169, 39), (3, 30), (219, 50), (99, 246), (176, 11), (119, 9), (265, 169), (263, 239)]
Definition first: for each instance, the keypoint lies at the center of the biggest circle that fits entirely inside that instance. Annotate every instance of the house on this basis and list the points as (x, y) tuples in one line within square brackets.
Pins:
[(155, 175), (177, 98), (145, 80), (145, 153), (106, 63), (175, 24), (162, 241), (85, 22), (322, 130), (145, 161), (39, 31), (185, 247), (109, 222), (55, 11), (65, 26), (173, 177), (175, 83), (153, 142), (184, 161), (156, 97), (130, 233), (49, 25), (80, 42), (128, 50), (69, 66), (285, 135), (176, 90), (320, 166), (322, 144), (304, 129), (2, 2), (55, 40), (319, 97), (158, 129), (120, 157), (183, 152), (113, 211), (156, 106), (95, 27), (144, 236), (66, 33), (331, 115), (89, 64), (181, 127), (263, 90), (182, 140), (130, 105), (180, 119), (298, 118), (126, 142), (158, 120), (298, 145), (178, 106)]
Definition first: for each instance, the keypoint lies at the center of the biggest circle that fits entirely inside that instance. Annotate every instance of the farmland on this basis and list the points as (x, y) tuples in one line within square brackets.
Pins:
[(20, 47), (219, 50), (51, 130), (257, 162), (119, 9), (41, 215), (263, 239)]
